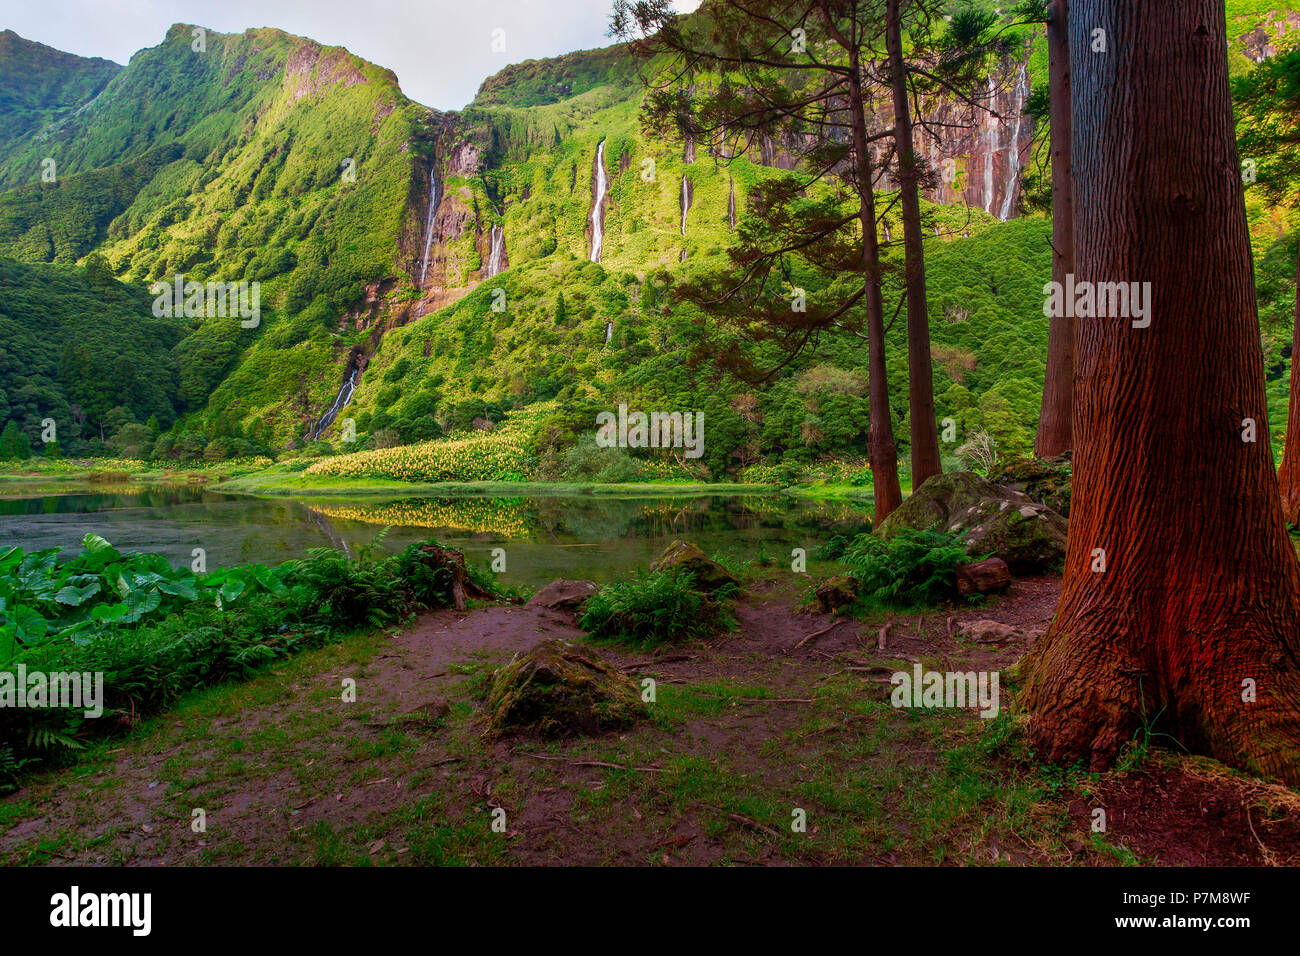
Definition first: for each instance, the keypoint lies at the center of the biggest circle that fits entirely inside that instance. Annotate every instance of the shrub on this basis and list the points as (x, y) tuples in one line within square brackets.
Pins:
[(652, 608), (156, 632), (915, 569)]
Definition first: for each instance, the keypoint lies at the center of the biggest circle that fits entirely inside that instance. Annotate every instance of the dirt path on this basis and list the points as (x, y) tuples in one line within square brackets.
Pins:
[(747, 734)]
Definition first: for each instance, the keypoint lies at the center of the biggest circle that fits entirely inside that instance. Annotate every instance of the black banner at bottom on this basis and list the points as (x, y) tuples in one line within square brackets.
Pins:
[(334, 906)]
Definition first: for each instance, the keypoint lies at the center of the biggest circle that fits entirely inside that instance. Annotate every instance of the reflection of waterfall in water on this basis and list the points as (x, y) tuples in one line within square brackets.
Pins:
[(686, 202), (340, 401), (990, 137), (597, 227), (428, 224), (336, 540), (1013, 159), (609, 332), (498, 244)]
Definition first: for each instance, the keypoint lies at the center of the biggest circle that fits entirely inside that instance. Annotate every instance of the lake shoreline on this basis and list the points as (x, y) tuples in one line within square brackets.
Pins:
[(276, 482)]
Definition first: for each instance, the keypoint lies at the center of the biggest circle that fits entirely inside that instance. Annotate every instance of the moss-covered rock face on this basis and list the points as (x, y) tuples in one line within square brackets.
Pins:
[(1045, 480), (559, 689), (709, 575), (995, 520)]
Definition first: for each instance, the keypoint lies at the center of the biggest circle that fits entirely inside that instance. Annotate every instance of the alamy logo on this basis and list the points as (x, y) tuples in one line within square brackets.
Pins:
[(82, 691), (949, 689), (655, 430), (74, 908), (206, 300), (1100, 300)]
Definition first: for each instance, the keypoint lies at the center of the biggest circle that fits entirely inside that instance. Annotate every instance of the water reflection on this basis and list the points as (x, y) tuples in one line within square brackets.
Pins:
[(544, 537)]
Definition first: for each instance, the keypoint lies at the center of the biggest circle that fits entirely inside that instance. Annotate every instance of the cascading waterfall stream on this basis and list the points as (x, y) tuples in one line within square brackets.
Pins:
[(686, 201), (990, 137), (609, 332), (428, 224), (597, 225), (340, 402), (731, 205), (497, 245), (1013, 159)]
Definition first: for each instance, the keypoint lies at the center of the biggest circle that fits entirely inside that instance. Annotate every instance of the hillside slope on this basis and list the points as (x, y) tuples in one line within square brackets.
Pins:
[(430, 271)]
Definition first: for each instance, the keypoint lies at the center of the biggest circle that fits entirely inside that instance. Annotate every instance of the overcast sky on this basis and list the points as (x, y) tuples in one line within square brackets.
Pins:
[(441, 50)]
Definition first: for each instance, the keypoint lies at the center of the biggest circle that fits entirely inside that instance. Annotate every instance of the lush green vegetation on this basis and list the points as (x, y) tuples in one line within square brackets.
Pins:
[(913, 569), (154, 631), (80, 348), (222, 164), (652, 608)]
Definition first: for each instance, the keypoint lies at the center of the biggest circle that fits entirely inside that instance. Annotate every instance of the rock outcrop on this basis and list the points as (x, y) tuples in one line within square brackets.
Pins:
[(993, 520)]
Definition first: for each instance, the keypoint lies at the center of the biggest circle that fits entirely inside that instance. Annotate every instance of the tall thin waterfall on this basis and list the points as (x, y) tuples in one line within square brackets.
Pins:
[(609, 332), (1013, 159), (990, 135), (686, 201), (498, 244), (340, 401), (428, 224), (597, 225), (731, 205)]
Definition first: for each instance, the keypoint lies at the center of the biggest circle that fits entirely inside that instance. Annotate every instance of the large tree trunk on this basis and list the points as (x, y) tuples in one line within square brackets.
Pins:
[(883, 452), (1055, 432), (1199, 600), (1288, 476), (920, 383)]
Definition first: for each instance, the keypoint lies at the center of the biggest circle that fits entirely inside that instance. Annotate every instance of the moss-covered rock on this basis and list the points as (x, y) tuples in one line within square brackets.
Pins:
[(682, 555), (994, 520), (1045, 480), (836, 592), (559, 689)]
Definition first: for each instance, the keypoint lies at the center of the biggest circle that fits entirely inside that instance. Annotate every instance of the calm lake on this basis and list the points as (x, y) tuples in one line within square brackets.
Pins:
[(544, 537)]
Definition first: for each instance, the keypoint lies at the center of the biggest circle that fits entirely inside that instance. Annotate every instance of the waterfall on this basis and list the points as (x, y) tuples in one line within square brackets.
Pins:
[(498, 245), (1013, 160), (597, 221), (686, 201), (990, 137), (609, 332), (340, 401), (428, 224), (731, 205)]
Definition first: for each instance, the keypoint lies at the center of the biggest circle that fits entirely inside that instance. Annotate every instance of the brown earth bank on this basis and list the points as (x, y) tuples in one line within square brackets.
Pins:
[(750, 733)]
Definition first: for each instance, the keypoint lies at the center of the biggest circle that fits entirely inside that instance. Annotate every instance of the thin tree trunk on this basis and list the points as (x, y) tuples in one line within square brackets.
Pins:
[(1055, 432), (1288, 476), (883, 452), (1191, 626), (920, 384)]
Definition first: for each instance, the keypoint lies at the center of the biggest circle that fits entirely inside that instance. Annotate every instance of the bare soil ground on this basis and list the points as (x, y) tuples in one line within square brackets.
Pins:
[(748, 735)]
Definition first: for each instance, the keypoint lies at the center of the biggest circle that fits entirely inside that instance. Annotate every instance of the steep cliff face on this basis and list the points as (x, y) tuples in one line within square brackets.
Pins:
[(1263, 42), (977, 153)]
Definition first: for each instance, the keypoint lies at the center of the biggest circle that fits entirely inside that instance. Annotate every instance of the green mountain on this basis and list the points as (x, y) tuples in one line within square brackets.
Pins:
[(422, 273)]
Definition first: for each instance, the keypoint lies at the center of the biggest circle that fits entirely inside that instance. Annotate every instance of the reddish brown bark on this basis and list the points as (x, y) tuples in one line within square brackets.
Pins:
[(882, 451), (1055, 431), (1199, 599), (920, 373), (1288, 476)]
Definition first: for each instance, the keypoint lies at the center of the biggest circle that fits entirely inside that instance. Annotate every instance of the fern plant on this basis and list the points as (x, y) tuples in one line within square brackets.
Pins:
[(914, 569)]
